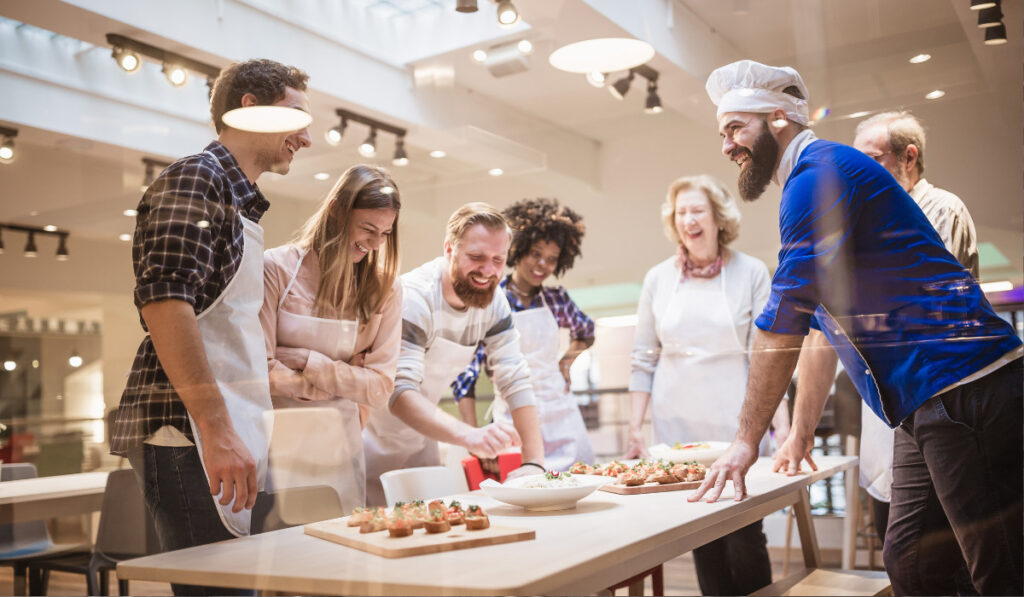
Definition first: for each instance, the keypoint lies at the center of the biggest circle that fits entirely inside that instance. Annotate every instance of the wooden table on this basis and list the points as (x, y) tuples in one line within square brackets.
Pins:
[(607, 538), (49, 497)]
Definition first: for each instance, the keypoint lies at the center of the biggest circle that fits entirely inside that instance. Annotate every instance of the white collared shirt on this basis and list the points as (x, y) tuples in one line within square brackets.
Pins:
[(792, 154)]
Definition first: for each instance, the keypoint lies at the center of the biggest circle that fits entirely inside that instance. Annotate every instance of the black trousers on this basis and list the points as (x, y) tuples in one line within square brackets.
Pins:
[(960, 457), (737, 564)]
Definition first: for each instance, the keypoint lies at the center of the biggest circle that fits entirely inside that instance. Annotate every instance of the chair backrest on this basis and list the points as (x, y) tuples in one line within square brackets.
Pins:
[(23, 538), (419, 483), (126, 529), (290, 507)]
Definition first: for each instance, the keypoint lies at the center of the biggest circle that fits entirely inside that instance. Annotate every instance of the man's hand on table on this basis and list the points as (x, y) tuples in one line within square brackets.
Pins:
[(730, 466), (796, 448)]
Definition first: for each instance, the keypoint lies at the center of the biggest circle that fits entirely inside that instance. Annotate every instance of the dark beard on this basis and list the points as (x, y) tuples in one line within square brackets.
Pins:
[(757, 173), (470, 295)]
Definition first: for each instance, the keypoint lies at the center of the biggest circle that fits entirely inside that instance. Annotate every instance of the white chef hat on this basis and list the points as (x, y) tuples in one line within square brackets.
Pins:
[(748, 86)]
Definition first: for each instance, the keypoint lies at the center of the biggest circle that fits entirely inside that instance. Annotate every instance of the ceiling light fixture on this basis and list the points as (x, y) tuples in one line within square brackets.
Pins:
[(466, 6), (596, 78), (980, 4), (50, 228), (75, 360), (62, 248), (995, 36), (653, 104), (479, 55), (400, 158), (437, 154), (508, 15), (495, 171), (525, 46), (321, 176), (936, 94), (619, 88), (7, 152), (124, 237), (334, 134), (176, 75), (30, 247), (1, 243), (920, 58), (128, 53), (603, 55), (990, 17), (131, 213), (368, 148)]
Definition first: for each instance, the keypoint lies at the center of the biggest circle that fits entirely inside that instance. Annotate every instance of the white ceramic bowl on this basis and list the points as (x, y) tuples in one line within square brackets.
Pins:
[(546, 498), (705, 456)]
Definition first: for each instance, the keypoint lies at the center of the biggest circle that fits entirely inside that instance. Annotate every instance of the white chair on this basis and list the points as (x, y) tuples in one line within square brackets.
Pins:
[(419, 483), (452, 457)]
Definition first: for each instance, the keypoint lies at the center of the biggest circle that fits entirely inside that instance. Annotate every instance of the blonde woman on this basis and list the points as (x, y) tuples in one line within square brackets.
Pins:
[(332, 318), (690, 355)]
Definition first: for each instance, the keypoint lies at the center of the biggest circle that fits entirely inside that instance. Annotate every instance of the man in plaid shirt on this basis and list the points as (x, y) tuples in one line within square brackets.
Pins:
[(190, 250)]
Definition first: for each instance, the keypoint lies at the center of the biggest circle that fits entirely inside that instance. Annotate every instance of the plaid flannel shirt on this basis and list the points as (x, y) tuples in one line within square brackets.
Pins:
[(566, 313), (187, 246)]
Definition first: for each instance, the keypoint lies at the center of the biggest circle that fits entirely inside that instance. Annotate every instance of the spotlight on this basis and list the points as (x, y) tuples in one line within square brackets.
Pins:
[(75, 360), (989, 17), (653, 105), (995, 36), (62, 248), (525, 46), (596, 78), (368, 149), (1, 244), (128, 60), (980, 4), (176, 75), (466, 6), (7, 153), (30, 246), (10, 365), (400, 158), (619, 88), (333, 135), (479, 55), (507, 13), (437, 154)]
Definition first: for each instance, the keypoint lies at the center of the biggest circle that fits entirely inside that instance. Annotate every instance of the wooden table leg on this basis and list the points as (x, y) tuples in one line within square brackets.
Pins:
[(805, 526), (852, 520)]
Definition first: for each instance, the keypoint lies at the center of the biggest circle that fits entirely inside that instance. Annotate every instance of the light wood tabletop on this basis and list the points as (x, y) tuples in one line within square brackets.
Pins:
[(605, 539), (49, 497)]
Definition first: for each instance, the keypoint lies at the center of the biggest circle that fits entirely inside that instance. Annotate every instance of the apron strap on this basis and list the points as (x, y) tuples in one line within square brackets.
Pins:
[(291, 280)]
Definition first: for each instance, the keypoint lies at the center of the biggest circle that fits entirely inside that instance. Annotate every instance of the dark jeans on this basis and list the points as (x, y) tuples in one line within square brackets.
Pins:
[(737, 564), (178, 498), (959, 457)]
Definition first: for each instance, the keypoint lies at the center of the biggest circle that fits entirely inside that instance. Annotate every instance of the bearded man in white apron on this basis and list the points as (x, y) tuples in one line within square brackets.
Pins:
[(546, 240), (449, 306), (190, 418)]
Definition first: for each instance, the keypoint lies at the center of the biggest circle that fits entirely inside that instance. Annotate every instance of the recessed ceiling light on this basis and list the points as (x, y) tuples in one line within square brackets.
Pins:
[(920, 58), (495, 171), (603, 55), (131, 213), (438, 154), (321, 176), (479, 55), (935, 94), (525, 46), (124, 237), (50, 228)]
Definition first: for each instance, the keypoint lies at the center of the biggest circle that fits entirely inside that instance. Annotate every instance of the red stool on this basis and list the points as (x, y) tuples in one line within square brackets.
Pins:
[(475, 474)]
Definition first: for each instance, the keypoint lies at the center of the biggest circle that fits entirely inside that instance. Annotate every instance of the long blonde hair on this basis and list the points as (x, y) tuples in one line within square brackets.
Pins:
[(362, 286)]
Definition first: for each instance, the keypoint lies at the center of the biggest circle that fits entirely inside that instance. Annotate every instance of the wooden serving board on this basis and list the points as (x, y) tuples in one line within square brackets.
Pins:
[(420, 542), (649, 487)]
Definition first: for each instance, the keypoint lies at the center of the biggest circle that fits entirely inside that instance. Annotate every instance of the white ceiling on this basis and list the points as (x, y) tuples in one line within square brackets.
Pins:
[(84, 125)]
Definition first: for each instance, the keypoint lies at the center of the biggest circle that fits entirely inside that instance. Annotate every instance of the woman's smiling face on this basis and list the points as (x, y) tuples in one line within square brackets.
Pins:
[(368, 230)]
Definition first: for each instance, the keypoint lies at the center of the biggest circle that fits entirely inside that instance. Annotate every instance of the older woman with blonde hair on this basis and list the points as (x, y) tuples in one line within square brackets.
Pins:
[(332, 316), (690, 355)]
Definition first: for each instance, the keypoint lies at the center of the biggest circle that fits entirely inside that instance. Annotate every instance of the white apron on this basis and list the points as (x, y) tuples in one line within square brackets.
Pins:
[(876, 445), (561, 423), (235, 348), (701, 377), (388, 442), (315, 447)]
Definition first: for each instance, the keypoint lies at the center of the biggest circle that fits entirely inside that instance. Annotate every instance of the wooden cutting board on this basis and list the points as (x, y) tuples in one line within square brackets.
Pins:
[(420, 542), (649, 487)]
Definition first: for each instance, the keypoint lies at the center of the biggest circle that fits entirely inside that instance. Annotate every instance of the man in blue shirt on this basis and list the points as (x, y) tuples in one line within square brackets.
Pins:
[(861, 263)]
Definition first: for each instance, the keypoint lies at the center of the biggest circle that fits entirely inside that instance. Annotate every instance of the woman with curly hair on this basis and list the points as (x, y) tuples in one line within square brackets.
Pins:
[(546, 238)]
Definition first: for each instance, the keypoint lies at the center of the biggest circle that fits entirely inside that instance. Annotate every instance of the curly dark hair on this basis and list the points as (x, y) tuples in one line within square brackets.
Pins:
[(539, 219), (266, 79)]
